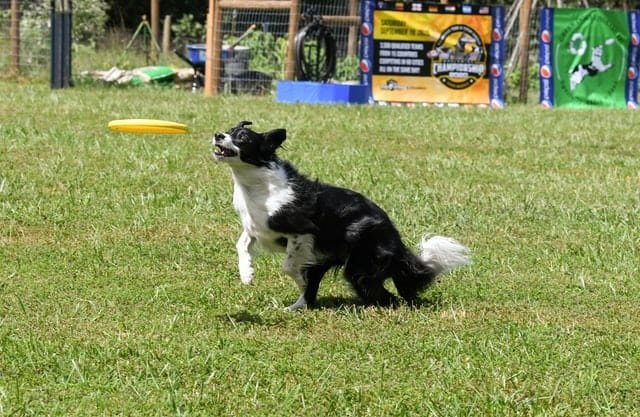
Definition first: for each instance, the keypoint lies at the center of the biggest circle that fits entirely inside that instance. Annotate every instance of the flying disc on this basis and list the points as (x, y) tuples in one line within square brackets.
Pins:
[(147, 126)]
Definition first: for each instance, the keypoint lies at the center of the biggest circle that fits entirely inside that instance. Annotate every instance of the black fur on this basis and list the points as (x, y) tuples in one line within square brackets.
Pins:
[(349, 231)]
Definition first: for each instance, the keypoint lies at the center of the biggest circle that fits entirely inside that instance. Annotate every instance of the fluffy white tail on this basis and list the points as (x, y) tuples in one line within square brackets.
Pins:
[(443, 254)]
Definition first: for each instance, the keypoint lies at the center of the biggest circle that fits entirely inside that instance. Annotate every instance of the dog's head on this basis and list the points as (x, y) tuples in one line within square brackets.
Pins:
[(242, 145)]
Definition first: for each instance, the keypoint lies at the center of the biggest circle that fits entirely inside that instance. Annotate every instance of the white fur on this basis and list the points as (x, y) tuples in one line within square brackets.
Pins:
[(244, 248), (299, 254), (444, 254), (257, 194)]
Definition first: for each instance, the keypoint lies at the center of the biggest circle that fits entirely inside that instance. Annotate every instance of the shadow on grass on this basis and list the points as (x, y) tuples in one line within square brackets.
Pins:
[(430, 301)]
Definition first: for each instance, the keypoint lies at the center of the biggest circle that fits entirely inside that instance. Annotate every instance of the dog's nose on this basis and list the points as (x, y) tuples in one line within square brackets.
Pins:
[(218, 136)]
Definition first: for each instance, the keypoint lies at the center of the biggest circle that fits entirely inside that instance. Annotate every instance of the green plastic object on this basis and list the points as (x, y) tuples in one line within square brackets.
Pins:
[(161, 74)]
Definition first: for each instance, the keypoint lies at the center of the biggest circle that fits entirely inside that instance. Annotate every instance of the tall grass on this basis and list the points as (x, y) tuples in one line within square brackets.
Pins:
[(119, 291)]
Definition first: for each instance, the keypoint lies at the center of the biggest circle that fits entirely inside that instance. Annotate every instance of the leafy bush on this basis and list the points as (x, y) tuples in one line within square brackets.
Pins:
[(187, 30), (347, 69), (268, 52), (89, 21)]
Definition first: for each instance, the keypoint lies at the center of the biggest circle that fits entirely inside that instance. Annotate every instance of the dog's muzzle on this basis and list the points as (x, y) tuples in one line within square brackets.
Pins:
[(221, 151)]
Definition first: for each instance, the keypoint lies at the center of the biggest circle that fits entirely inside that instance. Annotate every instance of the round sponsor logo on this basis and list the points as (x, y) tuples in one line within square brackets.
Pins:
[(545, 71), (546, 104), (458, 57), (364, 66), (635, 39), (496, 71), (632, 73), (545, 36), (496, 35), (365, 29)]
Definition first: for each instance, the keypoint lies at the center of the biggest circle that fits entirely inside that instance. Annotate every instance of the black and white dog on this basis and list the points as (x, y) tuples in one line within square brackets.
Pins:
[(321, 227)]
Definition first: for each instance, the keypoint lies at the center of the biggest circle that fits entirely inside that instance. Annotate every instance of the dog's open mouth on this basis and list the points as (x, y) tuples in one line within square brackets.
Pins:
[(226, 152)]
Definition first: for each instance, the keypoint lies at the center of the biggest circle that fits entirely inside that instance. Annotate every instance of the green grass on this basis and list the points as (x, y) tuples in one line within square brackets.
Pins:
[(119, 291)]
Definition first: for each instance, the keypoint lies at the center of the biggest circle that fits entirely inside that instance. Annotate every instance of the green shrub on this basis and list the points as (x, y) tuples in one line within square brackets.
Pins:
[(268, 52), (187, 30)]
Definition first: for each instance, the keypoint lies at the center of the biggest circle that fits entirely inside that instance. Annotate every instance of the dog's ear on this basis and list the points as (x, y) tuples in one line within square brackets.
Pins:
[(274, 138)]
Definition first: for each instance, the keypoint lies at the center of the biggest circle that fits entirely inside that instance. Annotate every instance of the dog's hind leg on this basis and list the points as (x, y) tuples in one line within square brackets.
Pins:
[(299, 254), (244, 247), (366, 274), (313, 275)]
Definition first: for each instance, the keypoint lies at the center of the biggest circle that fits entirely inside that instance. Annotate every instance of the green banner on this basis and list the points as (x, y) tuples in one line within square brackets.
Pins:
[(589, 57)]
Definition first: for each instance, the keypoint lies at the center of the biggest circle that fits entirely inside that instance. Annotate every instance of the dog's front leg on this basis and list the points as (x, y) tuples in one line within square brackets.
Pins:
[(299, 254), (244, 247)]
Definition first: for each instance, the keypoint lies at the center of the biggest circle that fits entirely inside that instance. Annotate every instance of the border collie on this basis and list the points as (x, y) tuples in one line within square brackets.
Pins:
[(322, 227)]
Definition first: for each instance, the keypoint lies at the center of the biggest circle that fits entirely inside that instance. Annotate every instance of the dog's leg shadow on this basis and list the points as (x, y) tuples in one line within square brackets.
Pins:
[(336, 302)]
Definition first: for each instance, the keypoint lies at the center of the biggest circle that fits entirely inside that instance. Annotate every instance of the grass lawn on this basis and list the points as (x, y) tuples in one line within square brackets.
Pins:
[(119, 290)]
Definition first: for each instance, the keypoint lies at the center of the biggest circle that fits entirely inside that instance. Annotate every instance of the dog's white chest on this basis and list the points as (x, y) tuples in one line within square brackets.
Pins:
[(256, 196)]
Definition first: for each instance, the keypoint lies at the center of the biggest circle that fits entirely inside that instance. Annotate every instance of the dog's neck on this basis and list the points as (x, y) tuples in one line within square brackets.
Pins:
[(252, 177), (260, 192)]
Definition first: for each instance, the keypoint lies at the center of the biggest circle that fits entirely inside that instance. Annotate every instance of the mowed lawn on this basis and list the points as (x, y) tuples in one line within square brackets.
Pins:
[(119, 290)]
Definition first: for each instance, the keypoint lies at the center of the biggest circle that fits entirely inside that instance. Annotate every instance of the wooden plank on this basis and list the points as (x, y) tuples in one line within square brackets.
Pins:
[(255, 4), (344, 20)]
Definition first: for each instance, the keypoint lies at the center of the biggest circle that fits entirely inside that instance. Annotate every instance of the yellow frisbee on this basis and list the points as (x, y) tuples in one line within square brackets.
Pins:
[(147, 126)]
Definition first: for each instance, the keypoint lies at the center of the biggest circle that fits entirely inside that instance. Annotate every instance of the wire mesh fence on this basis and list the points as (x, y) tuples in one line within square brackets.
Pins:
[(254, 52), (25, 40), (255, 42)]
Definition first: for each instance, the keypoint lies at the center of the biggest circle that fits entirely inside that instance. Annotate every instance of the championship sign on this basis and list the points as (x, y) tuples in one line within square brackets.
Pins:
[(589, 58), (419, 52)]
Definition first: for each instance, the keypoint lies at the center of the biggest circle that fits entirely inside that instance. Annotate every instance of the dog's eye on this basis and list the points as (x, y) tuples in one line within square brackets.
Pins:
[(242, 137)]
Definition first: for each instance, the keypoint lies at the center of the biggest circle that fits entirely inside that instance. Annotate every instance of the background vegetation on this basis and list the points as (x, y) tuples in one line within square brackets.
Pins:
[(119, 291)]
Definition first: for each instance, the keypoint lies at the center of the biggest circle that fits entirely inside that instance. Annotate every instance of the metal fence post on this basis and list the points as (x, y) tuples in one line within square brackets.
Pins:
[(61, 15)]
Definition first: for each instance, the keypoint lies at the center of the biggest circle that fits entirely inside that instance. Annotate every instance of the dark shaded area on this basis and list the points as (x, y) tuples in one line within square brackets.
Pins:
[(127, 14)]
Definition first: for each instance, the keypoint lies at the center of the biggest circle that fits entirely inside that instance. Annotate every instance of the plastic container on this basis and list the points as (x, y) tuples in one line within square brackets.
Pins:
[(235, 60)]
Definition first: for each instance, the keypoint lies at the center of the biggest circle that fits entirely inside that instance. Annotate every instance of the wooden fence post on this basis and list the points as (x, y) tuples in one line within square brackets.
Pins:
[(212, 61), (166, 35), (525, 14), (14, 36), (290, 63), (155, 27)]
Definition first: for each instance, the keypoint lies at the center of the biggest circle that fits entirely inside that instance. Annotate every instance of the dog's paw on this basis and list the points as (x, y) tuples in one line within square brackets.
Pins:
[(300, 304), (246, 275)]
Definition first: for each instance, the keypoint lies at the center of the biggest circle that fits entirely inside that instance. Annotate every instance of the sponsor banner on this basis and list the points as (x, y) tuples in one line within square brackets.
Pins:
[(546, 35), (419, 52), (366, 41), (631, 94), (588, 58), (496, 58)]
